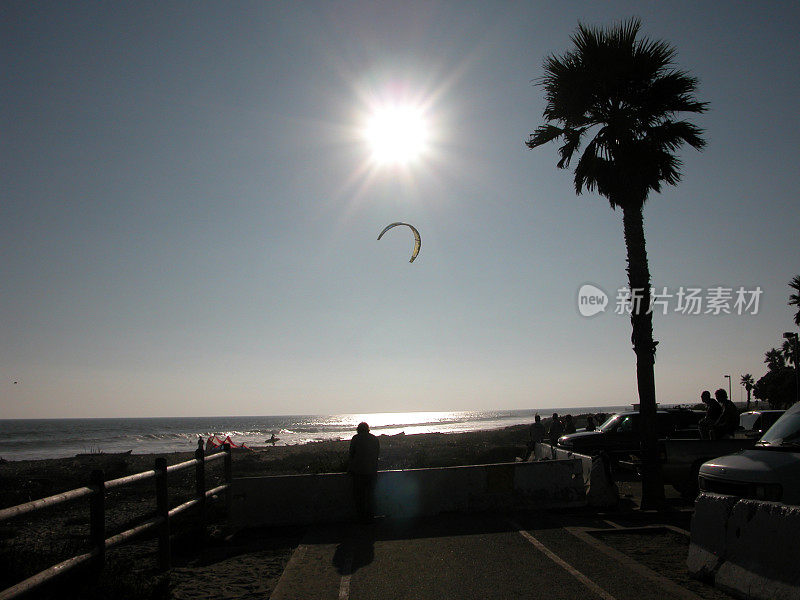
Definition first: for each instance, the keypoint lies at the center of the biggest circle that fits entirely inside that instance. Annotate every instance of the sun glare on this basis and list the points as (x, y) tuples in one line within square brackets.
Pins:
[(397, 134)]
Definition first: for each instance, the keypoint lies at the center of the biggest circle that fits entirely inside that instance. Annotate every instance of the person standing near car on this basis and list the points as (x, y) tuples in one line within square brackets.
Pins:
[(537, 434), (569, 425), (728, 420), (713, 412), (555, 431)]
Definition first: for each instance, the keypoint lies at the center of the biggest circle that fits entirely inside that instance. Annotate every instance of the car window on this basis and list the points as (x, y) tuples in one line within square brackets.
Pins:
[(611, 424), (786, 430), (627, 425)]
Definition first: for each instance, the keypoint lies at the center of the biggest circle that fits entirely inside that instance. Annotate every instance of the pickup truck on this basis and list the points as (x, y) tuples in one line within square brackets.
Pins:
[(680, 449), (768, 471), (681, 459), (619, 436)]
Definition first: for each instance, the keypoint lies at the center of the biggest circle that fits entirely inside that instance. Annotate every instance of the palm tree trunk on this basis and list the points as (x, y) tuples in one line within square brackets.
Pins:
[(645, 349)]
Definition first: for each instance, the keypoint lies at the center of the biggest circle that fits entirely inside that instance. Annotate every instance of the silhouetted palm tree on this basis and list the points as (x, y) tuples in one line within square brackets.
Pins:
[(787, 350), (794, 299), (621, 96), (774, 359), (747, 382)]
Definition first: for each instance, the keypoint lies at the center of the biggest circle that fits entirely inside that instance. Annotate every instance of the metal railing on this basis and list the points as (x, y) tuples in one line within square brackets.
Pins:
[(96, 492)]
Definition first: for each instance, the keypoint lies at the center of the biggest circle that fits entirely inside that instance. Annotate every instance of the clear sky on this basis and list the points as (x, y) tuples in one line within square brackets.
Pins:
[(189, 209)]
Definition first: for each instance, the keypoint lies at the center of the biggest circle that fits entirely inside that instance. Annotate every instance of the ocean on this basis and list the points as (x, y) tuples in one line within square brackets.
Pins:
[(23, 439)]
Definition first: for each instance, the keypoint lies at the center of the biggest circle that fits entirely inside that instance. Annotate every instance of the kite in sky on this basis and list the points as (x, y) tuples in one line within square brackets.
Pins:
[(417, 239)]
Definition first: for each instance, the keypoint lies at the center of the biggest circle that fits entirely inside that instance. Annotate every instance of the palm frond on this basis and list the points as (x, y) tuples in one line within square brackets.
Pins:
[(794, 299), (543, 135), (572, 143), (795, 283), (671, 135), (672, 92)]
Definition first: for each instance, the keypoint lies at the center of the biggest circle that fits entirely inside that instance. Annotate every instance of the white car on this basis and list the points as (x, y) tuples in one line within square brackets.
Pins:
[(770, 471), (756, 422)]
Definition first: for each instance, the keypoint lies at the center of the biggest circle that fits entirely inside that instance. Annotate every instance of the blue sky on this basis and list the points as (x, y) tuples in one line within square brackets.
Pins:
[(188, 213)]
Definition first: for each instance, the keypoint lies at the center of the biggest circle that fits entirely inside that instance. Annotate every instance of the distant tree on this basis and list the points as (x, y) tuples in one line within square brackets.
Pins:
[(777, 387), (747, 383), (774, 359), (621, 95), (794, 299)]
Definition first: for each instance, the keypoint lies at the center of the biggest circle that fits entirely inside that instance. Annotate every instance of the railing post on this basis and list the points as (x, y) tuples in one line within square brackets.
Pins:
[(200, 486), (162, 510), (228, 477), (97, 517)]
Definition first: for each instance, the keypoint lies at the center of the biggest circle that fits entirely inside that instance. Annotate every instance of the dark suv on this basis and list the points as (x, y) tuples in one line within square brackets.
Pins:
[(619, 435)]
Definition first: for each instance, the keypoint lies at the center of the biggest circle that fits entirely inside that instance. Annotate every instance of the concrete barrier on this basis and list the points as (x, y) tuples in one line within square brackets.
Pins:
[(746, 547), (600, 487), (325, 498)]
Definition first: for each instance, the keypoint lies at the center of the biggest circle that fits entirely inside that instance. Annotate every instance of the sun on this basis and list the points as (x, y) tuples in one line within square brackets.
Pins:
[(397, 134)]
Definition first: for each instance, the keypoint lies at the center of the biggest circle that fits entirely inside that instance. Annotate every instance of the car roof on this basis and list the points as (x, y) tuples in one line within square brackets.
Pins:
[(794, 408), (660, 411)]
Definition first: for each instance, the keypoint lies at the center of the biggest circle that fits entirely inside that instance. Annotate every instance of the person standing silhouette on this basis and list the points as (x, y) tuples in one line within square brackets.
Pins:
[(555, 431), (569, 425), (537, 434), (713, 411), (363, 468), (728, 419)]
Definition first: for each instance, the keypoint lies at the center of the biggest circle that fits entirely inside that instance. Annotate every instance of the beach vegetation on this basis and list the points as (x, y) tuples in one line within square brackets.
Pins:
[(618, 97)]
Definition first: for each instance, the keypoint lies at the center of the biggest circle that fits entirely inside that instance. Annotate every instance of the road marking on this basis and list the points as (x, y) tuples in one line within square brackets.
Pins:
[(344, 583), (344, 587), (612, 524), (631, 564), (563, 564)]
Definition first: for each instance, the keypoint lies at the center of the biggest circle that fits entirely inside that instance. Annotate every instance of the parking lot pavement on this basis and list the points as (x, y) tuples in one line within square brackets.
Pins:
[(528, 555)]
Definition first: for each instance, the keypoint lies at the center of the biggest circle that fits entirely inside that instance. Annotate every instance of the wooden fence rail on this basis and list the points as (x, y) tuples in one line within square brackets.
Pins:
[(96, 491)]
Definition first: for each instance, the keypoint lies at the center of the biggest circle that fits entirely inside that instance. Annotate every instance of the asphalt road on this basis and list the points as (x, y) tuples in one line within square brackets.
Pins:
[(548, 555)]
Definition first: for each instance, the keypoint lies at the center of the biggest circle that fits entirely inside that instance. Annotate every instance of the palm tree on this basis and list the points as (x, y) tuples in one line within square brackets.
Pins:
[(622, 95), (787, 350), (774, 359), (794, 299), (747, 382)]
